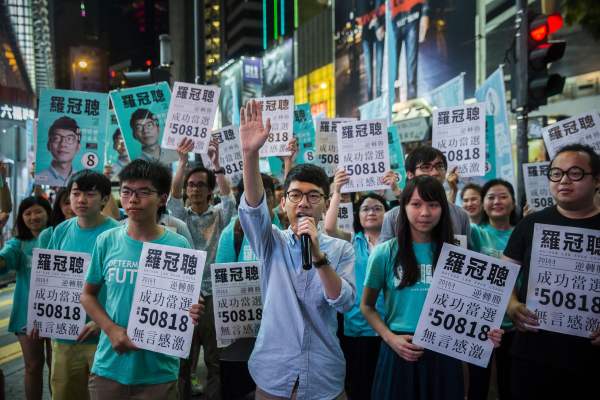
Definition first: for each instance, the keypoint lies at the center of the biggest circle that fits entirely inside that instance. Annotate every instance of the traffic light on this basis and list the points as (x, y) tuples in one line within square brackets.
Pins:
[(138, 78), (542, 51)]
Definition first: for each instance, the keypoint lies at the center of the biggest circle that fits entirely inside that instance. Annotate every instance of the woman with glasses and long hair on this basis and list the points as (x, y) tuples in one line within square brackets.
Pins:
[(403, 268), (32, 218), (490, 237), (360, 343)]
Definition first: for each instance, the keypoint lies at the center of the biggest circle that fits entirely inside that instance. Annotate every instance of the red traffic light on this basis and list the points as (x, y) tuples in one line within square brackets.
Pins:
[(543, 25), (148, 63), (113, 73)]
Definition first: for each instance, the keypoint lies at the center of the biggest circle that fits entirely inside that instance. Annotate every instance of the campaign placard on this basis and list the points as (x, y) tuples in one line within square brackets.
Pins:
[(459, 133), (116, 152), (537, 188), (564, 279), (167, 284), (280, 110), (327, 143), (467, 298), (364, 154), (584, 129), (304, 131), (191, 115), (141, 112), (70, 135), (346, 217), (230, 153), (57, 279), (237, 300)]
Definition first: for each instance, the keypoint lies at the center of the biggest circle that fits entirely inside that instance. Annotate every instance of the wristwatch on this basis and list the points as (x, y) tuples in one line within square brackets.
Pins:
[(323, 261), (219, 171)]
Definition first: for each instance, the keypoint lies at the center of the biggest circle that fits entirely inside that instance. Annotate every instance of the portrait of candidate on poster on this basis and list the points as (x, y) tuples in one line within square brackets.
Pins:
[(141, 112), (116, 152), (70, 135)]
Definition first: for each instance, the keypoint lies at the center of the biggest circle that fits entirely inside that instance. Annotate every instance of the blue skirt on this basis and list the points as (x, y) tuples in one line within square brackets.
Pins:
[(434, 377)]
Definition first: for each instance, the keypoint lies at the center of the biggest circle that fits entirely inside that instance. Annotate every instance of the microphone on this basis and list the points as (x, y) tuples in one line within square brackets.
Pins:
[(306, 253)]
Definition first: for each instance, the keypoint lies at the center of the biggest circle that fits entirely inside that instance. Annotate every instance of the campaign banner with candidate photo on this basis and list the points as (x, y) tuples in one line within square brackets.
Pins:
[(116, 152), (70, 134), (141, 112)]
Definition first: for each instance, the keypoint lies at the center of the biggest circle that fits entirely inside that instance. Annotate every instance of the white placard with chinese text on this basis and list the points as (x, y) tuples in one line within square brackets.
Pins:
[(346, 217), (364, 154), (584, 129), (57, 279), (280, 110), (191, 115), (326, 142), (237, 300), (459, 133), (537, 188), (467, 299), (564, 279), (230, 153), (167, 284)]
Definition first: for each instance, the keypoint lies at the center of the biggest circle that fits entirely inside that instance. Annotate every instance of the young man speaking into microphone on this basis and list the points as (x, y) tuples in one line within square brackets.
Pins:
[(297, 353)]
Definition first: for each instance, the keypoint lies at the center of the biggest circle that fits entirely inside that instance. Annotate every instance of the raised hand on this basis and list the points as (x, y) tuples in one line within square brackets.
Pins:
[(253, 133), (183, 148), (213, 153)]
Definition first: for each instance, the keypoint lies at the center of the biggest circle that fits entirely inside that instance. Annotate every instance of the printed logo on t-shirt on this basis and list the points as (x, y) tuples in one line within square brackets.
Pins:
[(121, 271), (426, 273)]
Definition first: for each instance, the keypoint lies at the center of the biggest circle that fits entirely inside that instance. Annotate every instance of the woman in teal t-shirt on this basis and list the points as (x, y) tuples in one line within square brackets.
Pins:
[(403, 269), (490, 237), (360, 343), (32, 218)]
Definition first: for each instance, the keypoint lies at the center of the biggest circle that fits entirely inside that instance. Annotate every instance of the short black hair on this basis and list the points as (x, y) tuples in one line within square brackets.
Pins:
[(116, 134), (582, 148), (154, 171), (57, 215), (88, 180), (423, 154), (211, 179), (486, 188), (67, 123), (308, 173), (140, 113), (471, 186), (22, 232)]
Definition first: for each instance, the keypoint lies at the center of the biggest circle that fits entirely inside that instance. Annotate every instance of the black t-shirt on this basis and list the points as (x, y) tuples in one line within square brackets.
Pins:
[(556, 349)]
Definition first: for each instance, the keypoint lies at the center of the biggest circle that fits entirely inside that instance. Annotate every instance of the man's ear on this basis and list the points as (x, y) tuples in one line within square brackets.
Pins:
[(163, 199), (282, 202), (409, 175)]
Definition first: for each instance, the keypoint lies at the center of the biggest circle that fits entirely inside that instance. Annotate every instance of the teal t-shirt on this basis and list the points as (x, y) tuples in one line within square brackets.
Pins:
[(355, 324), (402, 307), (69, 236), (226, 247), (114, 264), (17, 255), (486, 239)]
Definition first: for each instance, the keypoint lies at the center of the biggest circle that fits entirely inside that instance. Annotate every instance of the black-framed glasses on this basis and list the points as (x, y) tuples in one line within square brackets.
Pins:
[(426, 167), (313, 197), (141, 193), (69, 139), (574, 174), (197, 185), (145, 125)]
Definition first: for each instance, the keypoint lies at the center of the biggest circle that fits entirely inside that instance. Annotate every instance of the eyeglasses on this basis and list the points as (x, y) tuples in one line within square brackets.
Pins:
[(197, 185), (429, 167), (295, 196), (140, 193), (575, 174), (375, 209), (147, 125), (69, 139)]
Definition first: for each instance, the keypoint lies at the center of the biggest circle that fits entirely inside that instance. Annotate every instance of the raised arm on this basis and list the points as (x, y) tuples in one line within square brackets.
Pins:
[(288, 161), (222, 181), (331, 216), (5, 199), (184, 147), (253, 134)]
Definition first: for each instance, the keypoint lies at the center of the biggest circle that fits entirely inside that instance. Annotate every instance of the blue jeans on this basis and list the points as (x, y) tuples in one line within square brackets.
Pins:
[(406, 30), (368, 42)]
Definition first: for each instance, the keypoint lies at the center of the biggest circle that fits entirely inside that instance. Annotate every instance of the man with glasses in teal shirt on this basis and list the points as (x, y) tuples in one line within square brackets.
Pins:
[(121, 370)]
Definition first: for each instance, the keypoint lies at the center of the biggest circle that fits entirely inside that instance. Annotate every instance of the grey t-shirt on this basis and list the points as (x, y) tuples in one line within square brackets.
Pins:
[(460, 223)]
